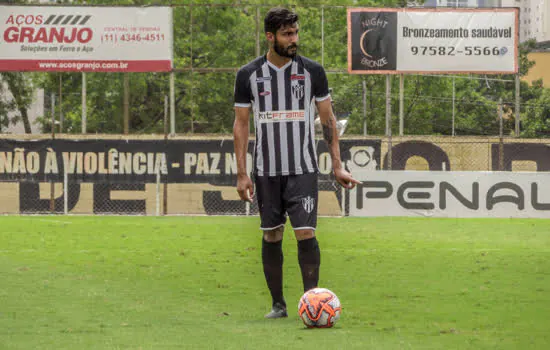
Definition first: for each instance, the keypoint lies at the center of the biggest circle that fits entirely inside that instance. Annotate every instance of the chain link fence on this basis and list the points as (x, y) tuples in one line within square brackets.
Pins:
[(35, 197)]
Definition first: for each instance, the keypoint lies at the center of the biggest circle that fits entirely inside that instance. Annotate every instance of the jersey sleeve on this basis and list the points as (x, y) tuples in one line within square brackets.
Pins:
[(320, 84), (242, 93)]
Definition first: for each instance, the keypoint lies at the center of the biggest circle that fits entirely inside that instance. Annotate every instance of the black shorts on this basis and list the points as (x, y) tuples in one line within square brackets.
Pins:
[(292, 195)]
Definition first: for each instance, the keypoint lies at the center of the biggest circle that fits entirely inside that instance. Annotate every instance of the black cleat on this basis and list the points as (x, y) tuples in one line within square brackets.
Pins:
[(278, 311)]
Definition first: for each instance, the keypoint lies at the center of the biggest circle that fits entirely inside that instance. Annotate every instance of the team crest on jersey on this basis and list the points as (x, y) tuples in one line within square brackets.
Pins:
[(308, 204), (298, 91)]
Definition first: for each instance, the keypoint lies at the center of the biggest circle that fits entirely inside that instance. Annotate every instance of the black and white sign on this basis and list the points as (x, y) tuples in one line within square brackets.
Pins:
[(139, 161), (451, 194), (390, 41), (118, 176)]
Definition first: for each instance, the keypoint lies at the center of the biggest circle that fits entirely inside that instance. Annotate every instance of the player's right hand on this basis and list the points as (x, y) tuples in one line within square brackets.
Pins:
[(245, 188), (345, 179)]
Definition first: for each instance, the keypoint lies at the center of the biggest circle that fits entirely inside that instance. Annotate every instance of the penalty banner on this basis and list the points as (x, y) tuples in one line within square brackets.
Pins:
[(392, 41), (462, 194), (85, 39)]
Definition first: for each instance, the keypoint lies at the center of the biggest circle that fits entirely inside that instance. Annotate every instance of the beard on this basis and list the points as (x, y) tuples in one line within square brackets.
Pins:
[(285, 51)]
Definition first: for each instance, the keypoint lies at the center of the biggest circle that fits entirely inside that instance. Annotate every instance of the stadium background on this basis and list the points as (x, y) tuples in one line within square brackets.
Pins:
[(413, 121)]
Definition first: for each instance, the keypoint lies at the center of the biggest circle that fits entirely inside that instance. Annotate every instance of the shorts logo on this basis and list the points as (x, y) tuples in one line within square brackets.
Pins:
[(298, 91), (265, 93), (308, 203)]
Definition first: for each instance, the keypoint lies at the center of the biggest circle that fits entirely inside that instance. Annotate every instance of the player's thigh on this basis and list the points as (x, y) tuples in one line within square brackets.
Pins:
[(301, 196), (270, 203)]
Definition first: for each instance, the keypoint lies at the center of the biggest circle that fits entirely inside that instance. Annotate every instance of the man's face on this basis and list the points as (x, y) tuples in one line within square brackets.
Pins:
[(285, 42)]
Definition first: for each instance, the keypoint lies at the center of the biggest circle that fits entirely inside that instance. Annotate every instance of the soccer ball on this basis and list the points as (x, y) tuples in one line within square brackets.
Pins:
[(319, 308)]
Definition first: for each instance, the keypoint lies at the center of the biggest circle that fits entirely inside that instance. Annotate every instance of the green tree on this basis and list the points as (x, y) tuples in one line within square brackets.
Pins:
[(536, 115), (21, 89), (211, 42), (6, 106)]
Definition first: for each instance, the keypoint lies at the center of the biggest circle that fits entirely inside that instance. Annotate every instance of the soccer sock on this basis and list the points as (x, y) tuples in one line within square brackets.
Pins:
[(309, 257), (272, 259)]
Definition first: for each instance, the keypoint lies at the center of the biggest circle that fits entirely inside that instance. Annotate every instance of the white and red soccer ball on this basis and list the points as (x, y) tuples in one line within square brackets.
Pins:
[(319, 308)]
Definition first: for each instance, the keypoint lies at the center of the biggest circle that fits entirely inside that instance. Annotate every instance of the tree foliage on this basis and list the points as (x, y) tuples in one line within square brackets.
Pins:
[(224, 37), (20, 88)]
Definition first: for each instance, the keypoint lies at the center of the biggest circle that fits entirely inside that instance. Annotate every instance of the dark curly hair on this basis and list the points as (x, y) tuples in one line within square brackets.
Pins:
[(279, 17)]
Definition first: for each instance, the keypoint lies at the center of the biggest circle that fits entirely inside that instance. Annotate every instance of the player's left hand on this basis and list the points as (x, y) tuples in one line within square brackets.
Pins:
[(345, 179)]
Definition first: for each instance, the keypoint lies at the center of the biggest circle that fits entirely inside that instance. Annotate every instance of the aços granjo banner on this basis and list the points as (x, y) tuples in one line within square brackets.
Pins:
[(390, 41), (85, 39)]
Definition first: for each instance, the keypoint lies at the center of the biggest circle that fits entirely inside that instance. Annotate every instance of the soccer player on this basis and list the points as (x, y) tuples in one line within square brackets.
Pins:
[(282, 88)]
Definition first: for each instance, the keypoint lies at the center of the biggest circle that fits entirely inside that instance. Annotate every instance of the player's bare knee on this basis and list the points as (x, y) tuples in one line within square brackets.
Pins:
[(304, 234), (274, 235)]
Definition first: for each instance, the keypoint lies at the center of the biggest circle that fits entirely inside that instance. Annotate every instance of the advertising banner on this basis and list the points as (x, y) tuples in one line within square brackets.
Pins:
[(120, 176), (392, 41), (451, 194), (139, 161), (85, 39)]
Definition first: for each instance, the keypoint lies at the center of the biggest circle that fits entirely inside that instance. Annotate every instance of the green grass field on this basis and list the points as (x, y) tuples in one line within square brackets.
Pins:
[(197, 283)]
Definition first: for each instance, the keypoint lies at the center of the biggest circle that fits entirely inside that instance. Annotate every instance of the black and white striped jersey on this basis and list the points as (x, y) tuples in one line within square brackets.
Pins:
[(283, 101)]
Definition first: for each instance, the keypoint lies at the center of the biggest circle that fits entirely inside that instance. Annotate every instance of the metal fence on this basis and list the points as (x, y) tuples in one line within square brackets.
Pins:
[(151, 199), (213, 40)]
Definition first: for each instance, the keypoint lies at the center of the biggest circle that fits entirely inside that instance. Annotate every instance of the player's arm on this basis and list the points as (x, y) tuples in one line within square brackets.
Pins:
[(330, 134), (241, 126), (328, 121), (243, 103)]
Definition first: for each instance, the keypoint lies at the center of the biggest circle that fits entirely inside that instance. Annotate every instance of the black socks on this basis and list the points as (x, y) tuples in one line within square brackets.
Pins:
[(272, 259), (309, 257)]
